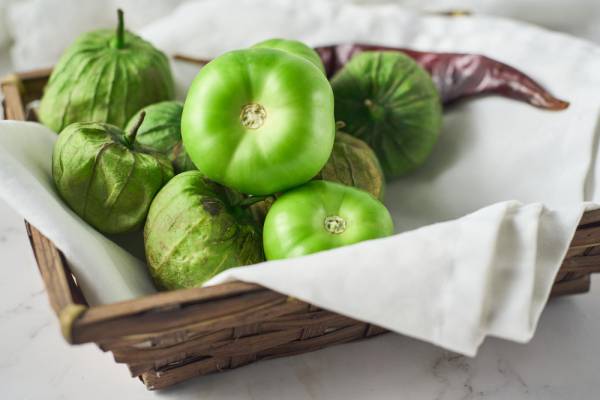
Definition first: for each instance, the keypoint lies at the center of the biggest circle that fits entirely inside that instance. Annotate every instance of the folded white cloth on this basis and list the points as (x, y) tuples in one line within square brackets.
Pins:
[(511, 181), (452, 283), (105, 271)]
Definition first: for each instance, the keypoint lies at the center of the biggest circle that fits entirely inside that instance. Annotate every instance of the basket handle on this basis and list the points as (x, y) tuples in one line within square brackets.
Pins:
[(12, 87)]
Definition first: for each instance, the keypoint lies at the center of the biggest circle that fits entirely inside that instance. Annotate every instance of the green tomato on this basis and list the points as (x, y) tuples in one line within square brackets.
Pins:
[(259, 121), (194, 231), (322, 215), (390, 102), (105, 178), (294, 47), (161, 132)]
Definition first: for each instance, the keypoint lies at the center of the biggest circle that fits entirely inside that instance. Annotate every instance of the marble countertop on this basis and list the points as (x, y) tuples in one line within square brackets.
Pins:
[(561, 362)]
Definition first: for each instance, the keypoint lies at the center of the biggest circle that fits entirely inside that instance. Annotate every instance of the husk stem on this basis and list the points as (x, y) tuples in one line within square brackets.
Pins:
[(130, 136), (120, 39)]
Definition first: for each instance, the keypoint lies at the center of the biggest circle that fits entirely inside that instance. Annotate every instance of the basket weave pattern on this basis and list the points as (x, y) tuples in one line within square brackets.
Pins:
[(170, 337)]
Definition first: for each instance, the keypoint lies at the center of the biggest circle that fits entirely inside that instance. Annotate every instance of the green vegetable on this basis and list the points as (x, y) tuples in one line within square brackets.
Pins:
[(294, 47), (322, 215), (161, 132), (354, 163), (259, 121), (390, 102), (107, 180), (193, 232), (105, 77)]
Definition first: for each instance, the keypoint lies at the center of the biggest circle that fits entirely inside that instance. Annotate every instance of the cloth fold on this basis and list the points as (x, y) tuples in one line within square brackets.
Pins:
[(452, 283), (105, 271)]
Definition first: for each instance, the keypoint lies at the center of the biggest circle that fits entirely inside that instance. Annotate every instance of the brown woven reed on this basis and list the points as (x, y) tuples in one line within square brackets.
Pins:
[(169, 337)]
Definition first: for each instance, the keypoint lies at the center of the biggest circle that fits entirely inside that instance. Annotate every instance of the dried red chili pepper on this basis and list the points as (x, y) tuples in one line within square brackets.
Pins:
[(456, 75)]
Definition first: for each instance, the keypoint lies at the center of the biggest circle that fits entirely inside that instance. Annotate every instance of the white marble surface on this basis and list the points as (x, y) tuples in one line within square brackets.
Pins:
[(561, 362)]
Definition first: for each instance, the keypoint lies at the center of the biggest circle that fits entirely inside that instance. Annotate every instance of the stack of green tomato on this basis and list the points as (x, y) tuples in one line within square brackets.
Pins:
[(251, 166)]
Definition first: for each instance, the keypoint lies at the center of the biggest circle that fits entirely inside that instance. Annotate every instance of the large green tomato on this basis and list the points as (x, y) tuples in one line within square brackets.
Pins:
[(259, 120), (294, 47), (322, 215)]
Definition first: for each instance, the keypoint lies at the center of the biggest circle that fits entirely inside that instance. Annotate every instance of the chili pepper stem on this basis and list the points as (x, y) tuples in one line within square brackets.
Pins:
[(130, 136), (120, 39)]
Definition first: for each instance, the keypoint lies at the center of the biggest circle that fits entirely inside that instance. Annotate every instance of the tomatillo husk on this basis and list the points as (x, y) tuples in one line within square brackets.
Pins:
[(353, 163), (105, 76), (161, 132), (390, 102), (195, 230), (105, 178)]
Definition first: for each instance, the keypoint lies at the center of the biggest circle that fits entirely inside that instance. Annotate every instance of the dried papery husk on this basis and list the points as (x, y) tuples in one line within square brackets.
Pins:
[(104, 178), (390, 102), (105, 76), (193, 232), (161, 132), (354, 163)]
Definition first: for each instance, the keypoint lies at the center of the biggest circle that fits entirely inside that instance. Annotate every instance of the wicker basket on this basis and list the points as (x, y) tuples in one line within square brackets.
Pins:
[(169, 337)]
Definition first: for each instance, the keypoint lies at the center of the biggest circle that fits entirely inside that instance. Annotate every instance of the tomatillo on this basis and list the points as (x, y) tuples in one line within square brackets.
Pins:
[(259, 120), (390, 102), (322, 215), (354, 163), (195, 230), (161, 132), (105, 177)]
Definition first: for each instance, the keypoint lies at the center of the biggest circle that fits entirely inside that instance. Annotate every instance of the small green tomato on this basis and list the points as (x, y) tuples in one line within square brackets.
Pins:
[(322, 215)]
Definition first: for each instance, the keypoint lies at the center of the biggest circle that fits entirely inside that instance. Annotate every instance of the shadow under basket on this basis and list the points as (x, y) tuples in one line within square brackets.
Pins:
[(169, 337)]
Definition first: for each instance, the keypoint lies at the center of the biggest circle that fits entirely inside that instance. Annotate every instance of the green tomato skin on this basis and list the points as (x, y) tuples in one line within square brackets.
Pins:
[(353, 163), (295, 47), (390, 102), (297, 132), (161, 132), (104, 181), (193, 233), (295, 224), (96, 82)]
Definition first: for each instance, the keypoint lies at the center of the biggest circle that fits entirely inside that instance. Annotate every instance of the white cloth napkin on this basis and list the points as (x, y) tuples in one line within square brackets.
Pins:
[(105, 271), (511, 181)]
